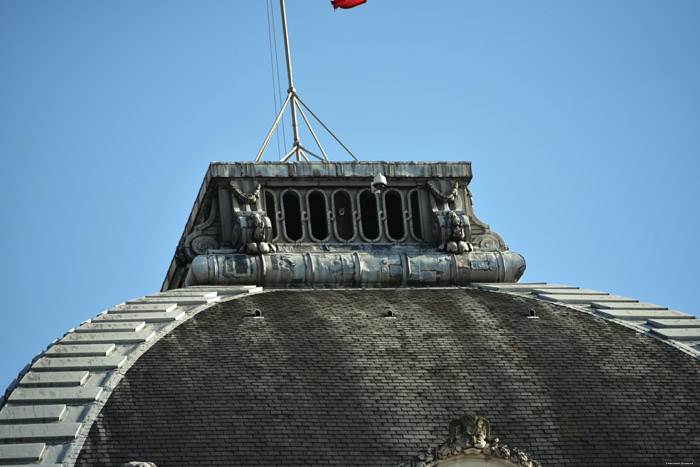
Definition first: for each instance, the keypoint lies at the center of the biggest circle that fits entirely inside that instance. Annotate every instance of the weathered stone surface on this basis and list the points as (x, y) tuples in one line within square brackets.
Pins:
[(470, 435), (89, 350), (112, 327), (608, 305), (565, 291), (32, 413), (674, 323), (144, 308), (521, 287), (642, 314), (152, 317), (47, 395), (181, 301), (57, 379), (79, 363), (575, 299), (39, 431), (686, 334), (109, 337), (183, 293), (234, 217), (30, 452), (223, 290), (384, 268)]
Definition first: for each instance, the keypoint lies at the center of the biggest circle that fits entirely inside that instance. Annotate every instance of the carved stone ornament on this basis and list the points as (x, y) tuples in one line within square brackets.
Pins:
[(490, 239), (355, 269), (470, 438), (252, 232), (443, 197), (202, 238), (452, 232), (246, 198)]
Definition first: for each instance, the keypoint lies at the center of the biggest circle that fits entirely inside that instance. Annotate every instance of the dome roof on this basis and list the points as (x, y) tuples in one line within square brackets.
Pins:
[(217, 374)]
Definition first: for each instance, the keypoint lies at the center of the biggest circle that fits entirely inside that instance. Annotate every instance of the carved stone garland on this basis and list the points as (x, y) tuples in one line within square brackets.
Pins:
[(246, 198), (443, 197), (470, 436)]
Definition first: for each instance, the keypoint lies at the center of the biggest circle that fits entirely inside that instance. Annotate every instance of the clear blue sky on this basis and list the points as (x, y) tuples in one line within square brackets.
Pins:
[(581, 119)]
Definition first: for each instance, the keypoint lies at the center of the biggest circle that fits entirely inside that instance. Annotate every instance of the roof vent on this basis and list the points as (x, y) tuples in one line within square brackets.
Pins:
[(257, 314), (532, 314), (390, 314)]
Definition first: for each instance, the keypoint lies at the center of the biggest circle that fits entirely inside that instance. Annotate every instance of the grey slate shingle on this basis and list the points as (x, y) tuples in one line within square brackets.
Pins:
[(324, 378)]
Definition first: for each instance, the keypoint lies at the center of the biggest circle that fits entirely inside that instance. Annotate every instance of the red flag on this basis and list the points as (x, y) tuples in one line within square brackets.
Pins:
[(345, 4)]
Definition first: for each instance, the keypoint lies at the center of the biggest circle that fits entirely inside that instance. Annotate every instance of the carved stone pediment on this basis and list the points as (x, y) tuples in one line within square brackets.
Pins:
[(470, 443)]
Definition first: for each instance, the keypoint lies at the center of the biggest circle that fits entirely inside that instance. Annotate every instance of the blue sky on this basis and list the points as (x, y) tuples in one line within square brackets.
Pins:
[(581, 119)]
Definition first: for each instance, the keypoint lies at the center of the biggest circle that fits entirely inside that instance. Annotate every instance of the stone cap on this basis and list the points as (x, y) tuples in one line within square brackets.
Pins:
[(353, 169)]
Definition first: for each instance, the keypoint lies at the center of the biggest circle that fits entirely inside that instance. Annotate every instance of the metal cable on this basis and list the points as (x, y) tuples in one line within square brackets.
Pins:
[(279, 86)]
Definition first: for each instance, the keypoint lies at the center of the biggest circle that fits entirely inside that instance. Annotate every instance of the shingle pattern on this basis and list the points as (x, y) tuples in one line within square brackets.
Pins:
[(324, 378), (48, 410)]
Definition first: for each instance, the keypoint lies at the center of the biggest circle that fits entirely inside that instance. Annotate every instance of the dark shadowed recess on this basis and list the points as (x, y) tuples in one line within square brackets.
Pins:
[(326, 378)]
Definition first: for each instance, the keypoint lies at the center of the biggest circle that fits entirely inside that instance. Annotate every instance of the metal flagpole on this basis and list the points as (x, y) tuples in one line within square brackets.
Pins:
[(291, 90), (296, 104)]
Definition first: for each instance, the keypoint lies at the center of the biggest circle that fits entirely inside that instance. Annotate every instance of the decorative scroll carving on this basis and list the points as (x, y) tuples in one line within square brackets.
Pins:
[(443, 197), (252, 232), (470, 437), (201, 244), (203, 237), (490, 239), (246, 198), (482, 235), (451, 231)]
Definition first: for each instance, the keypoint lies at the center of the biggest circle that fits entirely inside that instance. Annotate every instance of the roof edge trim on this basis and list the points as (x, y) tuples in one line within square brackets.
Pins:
[(674, 328), (81, 369)]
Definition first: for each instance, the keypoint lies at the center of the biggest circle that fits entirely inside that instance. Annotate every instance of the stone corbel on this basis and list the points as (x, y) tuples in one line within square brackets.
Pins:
[(451, 231), (252, 233)]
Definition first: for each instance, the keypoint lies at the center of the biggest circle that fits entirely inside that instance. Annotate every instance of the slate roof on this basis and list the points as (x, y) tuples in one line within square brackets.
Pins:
[(324, 377), (47, 411)]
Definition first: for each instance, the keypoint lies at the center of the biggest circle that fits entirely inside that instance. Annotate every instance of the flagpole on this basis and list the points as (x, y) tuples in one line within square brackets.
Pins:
[(291, 91), (296, 105)]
